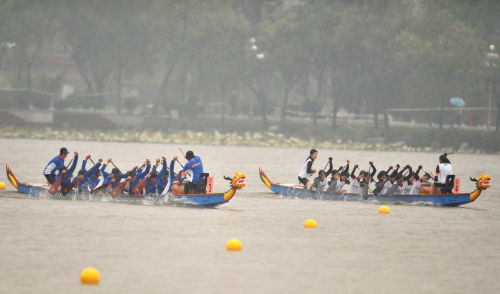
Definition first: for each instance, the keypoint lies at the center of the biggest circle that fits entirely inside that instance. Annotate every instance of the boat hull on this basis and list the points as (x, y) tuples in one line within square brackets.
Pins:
[(203, 200), (298, 192)]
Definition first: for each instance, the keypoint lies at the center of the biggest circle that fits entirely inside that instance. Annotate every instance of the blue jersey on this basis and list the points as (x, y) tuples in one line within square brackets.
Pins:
[(67, 178), (196, 166), (54, 165), (89, 182)]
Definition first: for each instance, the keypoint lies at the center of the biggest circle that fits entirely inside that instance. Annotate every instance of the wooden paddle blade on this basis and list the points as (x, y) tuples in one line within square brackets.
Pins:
[(55, 186), (69, 187), (118, 189), (99, 190), (138, 188)]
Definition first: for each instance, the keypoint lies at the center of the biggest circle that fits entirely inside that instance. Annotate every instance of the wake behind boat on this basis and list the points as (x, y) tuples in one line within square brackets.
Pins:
[(237, 182), (298, 191)]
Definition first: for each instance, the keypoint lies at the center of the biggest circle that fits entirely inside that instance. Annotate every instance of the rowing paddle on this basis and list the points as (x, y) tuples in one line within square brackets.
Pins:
[(55, 186), (98, 189), (115, 166), (183, 154), (69, 187), (118, 189), (138, 188)]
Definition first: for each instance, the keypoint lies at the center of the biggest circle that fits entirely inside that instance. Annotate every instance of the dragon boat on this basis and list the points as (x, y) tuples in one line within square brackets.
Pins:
[(454, 199), (237, 182)]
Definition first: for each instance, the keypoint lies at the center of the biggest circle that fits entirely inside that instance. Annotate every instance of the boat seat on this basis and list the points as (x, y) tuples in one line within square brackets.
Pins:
[(202, 183)]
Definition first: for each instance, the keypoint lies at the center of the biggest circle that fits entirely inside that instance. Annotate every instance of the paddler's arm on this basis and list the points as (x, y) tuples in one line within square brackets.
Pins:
[(95, 167), (84, 162), (395, 172), (142, 174), (374, 170), (417, 172), (73, 165), (331, 166), (353, 170), (163, 169)]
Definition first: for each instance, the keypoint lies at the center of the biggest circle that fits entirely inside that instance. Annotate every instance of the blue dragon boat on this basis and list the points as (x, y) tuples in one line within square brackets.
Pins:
[(204, 200), (296, 191)]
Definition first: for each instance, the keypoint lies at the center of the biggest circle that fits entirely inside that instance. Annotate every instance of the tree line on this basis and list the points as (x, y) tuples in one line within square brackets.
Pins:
[(276, 56)]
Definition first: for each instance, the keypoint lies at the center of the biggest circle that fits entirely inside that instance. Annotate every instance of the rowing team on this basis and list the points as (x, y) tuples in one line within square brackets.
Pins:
[(391, 181), (145, 179)]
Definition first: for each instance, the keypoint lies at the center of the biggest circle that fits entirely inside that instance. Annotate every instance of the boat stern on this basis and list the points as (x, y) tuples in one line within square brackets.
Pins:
[(264, 178)]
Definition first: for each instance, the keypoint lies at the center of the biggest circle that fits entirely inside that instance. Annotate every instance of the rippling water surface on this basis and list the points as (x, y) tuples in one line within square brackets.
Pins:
[(166, 249)]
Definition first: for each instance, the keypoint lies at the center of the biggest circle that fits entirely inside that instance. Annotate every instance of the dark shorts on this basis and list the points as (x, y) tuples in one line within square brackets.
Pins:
[(303, 181), (50, 178)]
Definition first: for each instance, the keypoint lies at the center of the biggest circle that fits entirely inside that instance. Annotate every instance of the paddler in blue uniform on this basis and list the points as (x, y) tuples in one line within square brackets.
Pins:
[(90, 178), (135, 176), (157, 181), (194, 163), (55, 165), (67, 174)]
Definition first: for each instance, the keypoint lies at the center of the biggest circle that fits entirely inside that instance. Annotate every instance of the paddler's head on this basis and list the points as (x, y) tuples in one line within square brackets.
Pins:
[(82, 172), (96, 174), (335, 175), (153, 176), (322, 175), (63, 152), (443, 158), (132, 174), (382, 176), (165, 176), (426, 177), (344, 176), (313, 154), (189, 155)]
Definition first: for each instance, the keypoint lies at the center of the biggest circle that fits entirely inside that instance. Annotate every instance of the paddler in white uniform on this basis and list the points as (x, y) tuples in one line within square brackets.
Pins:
[(307, 171)]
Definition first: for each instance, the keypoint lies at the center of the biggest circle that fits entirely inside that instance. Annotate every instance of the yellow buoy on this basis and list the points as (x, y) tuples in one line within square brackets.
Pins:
[(90, 276), (2, 186), (384, 210), (310, 224), (234, 245)]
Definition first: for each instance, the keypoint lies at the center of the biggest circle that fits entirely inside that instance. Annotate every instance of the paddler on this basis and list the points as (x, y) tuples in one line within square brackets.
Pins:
[(154, 178), (321, 180), (55, 165), (443, 169), (307, 171), (136, 175), (90, 178), (67, 174), (195, 164)]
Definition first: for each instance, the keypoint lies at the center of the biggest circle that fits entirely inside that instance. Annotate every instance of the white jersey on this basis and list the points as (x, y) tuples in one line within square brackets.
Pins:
[(340, 185), (354, 187), (444, 170), (303, 171), (407, 188), (415, 189), (322, 185), (387, 186)]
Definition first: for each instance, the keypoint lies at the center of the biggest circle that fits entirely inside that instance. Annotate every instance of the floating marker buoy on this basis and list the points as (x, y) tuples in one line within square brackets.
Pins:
[(310, 224), (90, 276), (384, 210), (2, 186), (234, 245)]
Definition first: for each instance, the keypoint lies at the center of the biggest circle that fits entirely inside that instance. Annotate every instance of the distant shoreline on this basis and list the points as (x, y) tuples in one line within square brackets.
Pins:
[(256, 139)]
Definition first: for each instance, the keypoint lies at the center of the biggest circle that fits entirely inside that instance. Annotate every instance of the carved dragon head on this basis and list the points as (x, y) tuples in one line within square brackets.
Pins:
[(483, 182), (238, 181)]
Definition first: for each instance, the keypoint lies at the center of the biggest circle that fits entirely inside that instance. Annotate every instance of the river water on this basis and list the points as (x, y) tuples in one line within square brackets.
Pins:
[(167, 249)]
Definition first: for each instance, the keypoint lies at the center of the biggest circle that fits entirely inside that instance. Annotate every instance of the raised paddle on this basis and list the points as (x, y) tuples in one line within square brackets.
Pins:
[(118, 189), (55, 186)]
